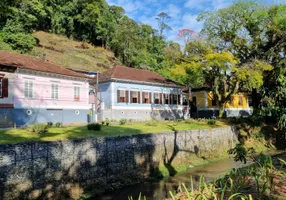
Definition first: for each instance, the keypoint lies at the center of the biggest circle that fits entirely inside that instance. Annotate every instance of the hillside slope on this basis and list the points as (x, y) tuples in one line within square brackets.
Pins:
[(72, 54)]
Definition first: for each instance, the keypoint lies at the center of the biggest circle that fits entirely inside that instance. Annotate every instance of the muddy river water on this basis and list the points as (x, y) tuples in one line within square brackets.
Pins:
[(159, 190)]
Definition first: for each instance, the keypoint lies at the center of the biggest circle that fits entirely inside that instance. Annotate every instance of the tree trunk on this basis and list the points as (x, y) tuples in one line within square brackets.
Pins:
[(221, 110)]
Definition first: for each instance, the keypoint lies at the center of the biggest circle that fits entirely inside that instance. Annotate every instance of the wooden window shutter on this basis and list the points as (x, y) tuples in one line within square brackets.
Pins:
[(139, 97), (143, 97), (160, 97), (150, 98), (126, 96), (5, 88), (118, 96)]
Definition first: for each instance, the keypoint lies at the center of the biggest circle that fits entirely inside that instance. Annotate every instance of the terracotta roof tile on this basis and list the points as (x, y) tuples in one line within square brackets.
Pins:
[(132, 74), (21, 61)]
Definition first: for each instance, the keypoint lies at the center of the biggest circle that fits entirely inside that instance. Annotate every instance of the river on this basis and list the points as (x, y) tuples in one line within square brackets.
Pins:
[(160, 189)]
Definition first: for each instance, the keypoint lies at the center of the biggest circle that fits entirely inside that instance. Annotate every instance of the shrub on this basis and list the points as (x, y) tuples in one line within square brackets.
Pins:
[(107, 123), (122, 121), (190, 121), (152, 123), (38, 128), (212, 122), (50, 124), (58, 124), (131, 120), (102, 122), (107, 120), (94, 126)]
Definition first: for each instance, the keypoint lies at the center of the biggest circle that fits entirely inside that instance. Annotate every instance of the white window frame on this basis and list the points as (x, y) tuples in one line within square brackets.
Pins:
[(76, 91), (54, 91), (29, 89)]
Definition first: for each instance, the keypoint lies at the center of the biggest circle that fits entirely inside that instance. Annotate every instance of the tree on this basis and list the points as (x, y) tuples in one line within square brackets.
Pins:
[(15, 35), (186, 35), (250, 30), (221, 71), (162, 24)]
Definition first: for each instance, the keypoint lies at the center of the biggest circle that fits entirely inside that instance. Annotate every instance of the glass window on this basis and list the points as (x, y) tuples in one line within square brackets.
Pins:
[(121, 98), (76, 93), (134, 95), (166, 99), (175, 99), (156, 98), (146, 99), (54, 91), (29, 89)]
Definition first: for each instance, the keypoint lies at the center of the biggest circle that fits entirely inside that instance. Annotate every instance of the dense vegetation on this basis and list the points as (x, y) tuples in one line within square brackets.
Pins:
[(241, 48), (92, 21)]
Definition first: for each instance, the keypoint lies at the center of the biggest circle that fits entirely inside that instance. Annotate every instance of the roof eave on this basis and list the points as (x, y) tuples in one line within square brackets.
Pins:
[(139, 82)]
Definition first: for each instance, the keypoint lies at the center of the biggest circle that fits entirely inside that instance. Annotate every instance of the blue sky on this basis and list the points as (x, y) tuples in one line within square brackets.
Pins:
[(183, 12)]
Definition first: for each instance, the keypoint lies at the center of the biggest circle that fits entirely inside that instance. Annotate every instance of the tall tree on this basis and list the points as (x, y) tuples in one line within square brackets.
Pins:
[(161, 18)]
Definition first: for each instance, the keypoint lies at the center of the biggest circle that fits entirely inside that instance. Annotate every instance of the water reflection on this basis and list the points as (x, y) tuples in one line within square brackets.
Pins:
[(160, 189)]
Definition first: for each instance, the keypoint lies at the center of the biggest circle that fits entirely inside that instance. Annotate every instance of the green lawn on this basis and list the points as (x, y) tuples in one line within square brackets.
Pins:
[(22, 135)]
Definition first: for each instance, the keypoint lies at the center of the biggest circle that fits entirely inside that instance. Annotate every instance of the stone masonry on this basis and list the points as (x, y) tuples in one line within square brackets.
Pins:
[(66, 169)]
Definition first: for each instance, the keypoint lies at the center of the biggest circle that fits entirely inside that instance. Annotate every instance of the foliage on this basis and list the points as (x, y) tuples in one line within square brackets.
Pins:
[(254, 32), (212, 122), (152, 122), (50, 124), (241, 153), (38, 128), (257, 181), (122, 121), (103, 122), (58, 124), (94, 127), (93, 21), (14, 34), (107, 123)]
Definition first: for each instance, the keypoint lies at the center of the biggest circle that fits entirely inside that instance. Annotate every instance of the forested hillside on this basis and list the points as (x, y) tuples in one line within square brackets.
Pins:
[(91, 22)]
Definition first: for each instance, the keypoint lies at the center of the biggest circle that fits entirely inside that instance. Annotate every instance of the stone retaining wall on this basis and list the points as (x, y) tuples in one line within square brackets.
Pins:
[(56, 170)]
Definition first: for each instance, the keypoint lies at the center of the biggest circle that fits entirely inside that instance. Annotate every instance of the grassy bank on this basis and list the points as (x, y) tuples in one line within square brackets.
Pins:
[(265, 179), (12, 136)]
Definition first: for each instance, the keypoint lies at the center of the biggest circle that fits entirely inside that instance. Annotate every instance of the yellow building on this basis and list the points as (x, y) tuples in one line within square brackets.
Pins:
[(204, 105)]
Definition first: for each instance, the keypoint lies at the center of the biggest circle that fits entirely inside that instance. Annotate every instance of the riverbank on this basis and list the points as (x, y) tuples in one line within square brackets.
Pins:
[(264, 179)]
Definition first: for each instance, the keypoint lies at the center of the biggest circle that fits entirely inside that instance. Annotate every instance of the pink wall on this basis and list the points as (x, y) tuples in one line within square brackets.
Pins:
[(42, 93)]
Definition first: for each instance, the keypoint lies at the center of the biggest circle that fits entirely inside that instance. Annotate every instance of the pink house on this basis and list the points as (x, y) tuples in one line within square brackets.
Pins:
[(33, 90)]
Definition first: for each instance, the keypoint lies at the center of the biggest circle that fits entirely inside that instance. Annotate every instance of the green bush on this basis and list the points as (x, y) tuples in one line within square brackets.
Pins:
[(190, 121), (102, 122), (38, 128), (94, 126), (152, 123), (58, 124), (122, 121), (50, 124), (107, 123), (131, 120), (211, 122)]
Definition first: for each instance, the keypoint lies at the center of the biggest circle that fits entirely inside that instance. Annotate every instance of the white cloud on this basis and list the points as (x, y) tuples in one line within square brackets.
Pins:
[(203, 5), (190, 21)]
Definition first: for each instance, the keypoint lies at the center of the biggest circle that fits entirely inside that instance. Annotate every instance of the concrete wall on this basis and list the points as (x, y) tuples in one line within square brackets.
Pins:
[(66, 169)]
